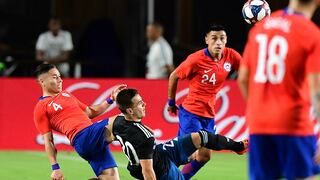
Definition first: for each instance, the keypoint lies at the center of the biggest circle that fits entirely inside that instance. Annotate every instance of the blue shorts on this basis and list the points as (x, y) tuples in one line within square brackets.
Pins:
[(189, 123), (280, 156), (91, 145), (177, 151)]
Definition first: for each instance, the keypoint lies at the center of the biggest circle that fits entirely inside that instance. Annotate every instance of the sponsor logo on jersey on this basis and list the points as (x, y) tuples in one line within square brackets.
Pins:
[(65, 94)]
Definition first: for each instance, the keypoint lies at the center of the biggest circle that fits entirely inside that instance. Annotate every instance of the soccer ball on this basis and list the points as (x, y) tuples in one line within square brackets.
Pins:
[(255, 10)]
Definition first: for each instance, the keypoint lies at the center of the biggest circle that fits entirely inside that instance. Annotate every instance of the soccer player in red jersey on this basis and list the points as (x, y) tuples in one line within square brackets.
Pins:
[(206, 71), (60, 111), (279, 73)]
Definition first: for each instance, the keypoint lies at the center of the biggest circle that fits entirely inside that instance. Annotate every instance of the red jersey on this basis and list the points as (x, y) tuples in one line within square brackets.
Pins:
[(280, 52), (63, 113), (206, 78)]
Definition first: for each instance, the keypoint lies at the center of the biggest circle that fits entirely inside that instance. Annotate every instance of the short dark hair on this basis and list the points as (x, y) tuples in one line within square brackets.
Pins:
[(54, 18), (305, 1), (215, 27), (43, 68), (124, 99)]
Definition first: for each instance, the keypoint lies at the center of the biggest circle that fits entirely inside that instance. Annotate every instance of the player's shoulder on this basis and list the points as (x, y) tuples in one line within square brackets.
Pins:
[(43, 36), (230, 52), (66, 93), (141, 130), (197, 55), (65, 32), (42, 103)]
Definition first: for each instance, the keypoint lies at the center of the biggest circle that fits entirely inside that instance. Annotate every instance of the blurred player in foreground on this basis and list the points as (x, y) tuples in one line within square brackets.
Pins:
[(206, 71), (279, 75), (148, 160), (60, 111)]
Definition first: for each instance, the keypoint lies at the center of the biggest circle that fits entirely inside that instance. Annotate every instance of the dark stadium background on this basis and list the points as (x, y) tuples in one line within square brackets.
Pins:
[(109, 35)]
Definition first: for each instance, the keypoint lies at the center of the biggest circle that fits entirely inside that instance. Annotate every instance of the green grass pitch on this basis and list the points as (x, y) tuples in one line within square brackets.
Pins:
[(34, 165)]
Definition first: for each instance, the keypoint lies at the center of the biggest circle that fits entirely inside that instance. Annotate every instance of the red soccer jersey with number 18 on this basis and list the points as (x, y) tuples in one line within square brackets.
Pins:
[(63, 113), (206, 78), (280, 52)]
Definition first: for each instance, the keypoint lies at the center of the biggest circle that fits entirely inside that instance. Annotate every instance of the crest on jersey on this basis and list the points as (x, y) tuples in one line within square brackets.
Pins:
[(227, 66), (65, 94)]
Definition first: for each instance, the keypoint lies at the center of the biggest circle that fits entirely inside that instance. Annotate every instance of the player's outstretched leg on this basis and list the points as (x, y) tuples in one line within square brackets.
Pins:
[(214, 142), (218, 142)]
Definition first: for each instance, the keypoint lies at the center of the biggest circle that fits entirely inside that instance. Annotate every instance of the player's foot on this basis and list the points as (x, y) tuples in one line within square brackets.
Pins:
[(245, 147)]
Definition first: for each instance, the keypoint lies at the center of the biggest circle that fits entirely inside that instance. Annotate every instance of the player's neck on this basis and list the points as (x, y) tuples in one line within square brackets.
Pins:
[(306, 9), (130, 118), (217, 57), (213, 56), (46, 93)]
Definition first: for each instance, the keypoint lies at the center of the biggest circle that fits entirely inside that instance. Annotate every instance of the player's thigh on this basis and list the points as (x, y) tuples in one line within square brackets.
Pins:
[(264, 160), (189, 123), (103, 161), (173, 173), (178, 150), (299, 156)]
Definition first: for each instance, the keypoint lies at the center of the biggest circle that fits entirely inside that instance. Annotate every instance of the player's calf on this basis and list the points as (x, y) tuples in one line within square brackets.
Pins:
[(218, 142)]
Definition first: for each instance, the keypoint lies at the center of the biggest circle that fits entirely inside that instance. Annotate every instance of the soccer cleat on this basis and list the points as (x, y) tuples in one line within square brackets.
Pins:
[(245, 147)]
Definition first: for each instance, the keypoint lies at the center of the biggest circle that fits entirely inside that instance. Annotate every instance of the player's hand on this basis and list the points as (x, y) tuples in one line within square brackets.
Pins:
[(317, 155), (173, 109), (57, 175), (117, 90)]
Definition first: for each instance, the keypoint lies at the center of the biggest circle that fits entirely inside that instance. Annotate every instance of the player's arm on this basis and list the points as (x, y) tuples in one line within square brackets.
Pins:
[(243, 81), (145, 154), (172, 89), (62, 57), (40, 55), (314, 85), (169, 68), (96, 110), (147, 169), (51, 151)]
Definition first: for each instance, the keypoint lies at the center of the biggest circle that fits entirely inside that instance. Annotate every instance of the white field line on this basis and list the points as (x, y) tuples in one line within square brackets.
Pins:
[(66, 157)]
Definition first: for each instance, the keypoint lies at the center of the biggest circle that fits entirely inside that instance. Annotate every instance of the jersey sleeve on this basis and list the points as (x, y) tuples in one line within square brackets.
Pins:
[(41, 120), (146, 149), (236, 58), (67, 46), (313, 60), (186, 68), (41, 45), (81, 104), (246, 53)]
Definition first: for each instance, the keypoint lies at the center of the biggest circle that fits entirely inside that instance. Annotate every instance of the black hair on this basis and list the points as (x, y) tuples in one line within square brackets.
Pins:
[(156, 24), (215, 27), (305, 1), (43, 68), (55, 18), (124, 99)]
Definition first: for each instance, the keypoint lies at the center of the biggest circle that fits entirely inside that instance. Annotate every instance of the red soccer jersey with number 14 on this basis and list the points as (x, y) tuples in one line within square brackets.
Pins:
[(206, 78), (280, 52), (63, 113)]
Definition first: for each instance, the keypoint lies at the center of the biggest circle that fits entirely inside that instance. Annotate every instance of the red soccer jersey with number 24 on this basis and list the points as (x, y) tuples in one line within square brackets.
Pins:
[(206, 78)]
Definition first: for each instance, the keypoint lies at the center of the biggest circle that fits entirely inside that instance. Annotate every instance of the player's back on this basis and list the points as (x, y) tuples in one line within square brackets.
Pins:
[(278, 54), (137, 143)]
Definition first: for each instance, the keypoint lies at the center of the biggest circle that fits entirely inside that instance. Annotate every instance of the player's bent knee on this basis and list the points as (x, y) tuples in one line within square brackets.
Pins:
[(196, 139), (109, 174), (204, 155)]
